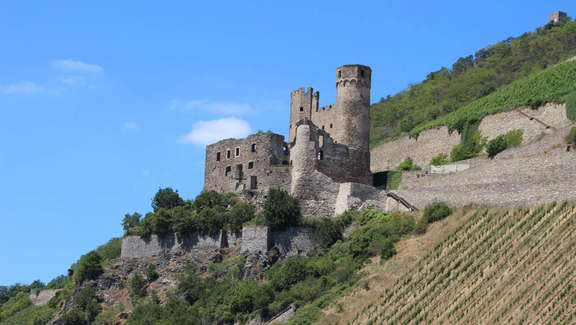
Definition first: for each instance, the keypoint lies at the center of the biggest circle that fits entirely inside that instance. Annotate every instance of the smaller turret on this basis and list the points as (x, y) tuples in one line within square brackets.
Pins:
[(303, 102)]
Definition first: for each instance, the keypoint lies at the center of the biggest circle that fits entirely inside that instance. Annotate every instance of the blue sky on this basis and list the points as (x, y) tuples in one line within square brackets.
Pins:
[(103, 102)]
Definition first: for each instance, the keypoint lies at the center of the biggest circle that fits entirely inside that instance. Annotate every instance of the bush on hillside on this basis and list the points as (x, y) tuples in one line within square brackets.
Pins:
[(15, 304), (439, 160), (571, 106), (327, 231), (408, 164), (514, 138), (86, 310), (166, 198), (281, 210), (387, 249), (88, 267), (212, 199), (137, 285), (495, 146), (240, 213), (436, 211), (284, 275), (471, 141), (571, 137)]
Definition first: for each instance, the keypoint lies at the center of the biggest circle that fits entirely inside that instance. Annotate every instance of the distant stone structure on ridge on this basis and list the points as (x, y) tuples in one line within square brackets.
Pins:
[(558, 16)]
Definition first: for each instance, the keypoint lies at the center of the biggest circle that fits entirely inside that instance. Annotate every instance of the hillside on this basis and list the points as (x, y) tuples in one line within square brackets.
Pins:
[(502, 266), (471, 78)]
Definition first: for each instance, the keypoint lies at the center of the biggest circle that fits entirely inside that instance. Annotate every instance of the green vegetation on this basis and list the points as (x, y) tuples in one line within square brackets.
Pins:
[(281, 210), (474, 77), (166, 198), (504, 141), (17, 303), (571, 137), (571, 106), (393, 180), (221, 297), (433, 212), (439, 160), (86, 309), (471, 142), (89, 267), (408, 164), (498, 263)]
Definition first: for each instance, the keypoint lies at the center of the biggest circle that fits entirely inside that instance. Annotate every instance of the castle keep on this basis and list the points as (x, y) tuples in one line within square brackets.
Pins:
[(326, 161)]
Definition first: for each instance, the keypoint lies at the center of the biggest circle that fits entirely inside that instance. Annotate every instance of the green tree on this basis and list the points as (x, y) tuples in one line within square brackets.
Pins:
[(327, 231), (439, 159), (436, 211), (281, 210), (131, 221), (239, 214), (288, 272), (496, 145), (88, 267), (138, 285), (166, 198), (211, 199)]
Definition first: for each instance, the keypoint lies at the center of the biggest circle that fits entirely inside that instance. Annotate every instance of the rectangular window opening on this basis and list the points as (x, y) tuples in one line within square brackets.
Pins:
[(253, 182), (217, 156)]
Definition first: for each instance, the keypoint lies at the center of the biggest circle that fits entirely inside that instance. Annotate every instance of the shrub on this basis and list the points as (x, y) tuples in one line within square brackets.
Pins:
[(281, 210), (514, 138), (288, 272), (421, 226), (239, 214), (471, 142), (87, 302), (14, 305), (151, 274), (571, 137), (166, 198), (209, 220), (439, 159), (571, 106), (212, 199), (88, 267), (58, 282), (137, 285), (436, 211), (393, 180), (387, 249), (496, 145), (327, 232), (408, 164)]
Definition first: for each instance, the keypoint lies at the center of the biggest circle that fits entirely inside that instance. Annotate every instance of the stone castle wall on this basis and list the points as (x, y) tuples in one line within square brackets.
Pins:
[(533, 122), (256, 163), (252, 240)]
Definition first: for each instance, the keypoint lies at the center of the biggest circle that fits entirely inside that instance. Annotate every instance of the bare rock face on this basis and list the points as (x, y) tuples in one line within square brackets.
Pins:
[(41, 298)]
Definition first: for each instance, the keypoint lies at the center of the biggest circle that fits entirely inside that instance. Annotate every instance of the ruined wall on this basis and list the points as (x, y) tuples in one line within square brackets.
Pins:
[(533, 122), (137, 247), (256, 163), (293, 241), (255, 239), (326, 118), (430, 143), (41, 298)]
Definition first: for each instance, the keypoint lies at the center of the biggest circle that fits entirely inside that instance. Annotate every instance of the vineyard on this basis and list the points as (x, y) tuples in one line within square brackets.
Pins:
[(503, 266), (549, 85)]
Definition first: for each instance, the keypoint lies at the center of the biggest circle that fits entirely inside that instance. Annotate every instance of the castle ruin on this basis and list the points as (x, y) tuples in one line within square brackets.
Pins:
[(326, 161)]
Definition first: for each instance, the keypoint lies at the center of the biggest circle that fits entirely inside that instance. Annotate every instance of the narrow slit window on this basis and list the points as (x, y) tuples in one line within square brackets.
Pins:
[(320, 155), (237, 152), (217, 156), (227, 154), (330, 125), (253, 147), (253, 182)]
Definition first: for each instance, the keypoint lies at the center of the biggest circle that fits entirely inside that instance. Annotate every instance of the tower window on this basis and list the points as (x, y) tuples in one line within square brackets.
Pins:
[(320, 155), (362, 73), (228, 171), (217, 156), (253, 148), (322, 127), (253, 182), (227, 154), (330, 125), (301, 109), (237, 152), (251, 165), (339, 74)]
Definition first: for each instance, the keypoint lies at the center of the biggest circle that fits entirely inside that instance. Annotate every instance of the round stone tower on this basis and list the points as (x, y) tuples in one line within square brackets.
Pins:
[(353, 105)]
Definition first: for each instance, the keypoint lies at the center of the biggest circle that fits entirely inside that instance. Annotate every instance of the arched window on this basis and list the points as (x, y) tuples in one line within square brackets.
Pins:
[(301, 109)]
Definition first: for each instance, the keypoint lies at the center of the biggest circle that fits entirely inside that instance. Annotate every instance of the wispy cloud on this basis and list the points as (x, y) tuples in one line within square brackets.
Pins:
[(74, 81), (207, 132), (23, 88), (70, 65), (131, 126), (219, 107)]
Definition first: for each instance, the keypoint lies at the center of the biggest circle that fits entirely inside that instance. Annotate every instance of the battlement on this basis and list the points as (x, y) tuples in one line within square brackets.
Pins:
[(353, 75)]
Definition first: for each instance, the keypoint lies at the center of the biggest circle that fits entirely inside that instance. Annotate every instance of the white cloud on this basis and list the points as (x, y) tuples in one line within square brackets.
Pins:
[(23, 88), (74, 81), (207, 132), (219, 107), (131, 126), (75, 66)]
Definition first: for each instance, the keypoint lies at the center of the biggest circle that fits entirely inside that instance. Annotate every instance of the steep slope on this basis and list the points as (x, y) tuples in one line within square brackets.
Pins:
[(502, 266), (471, 78)]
